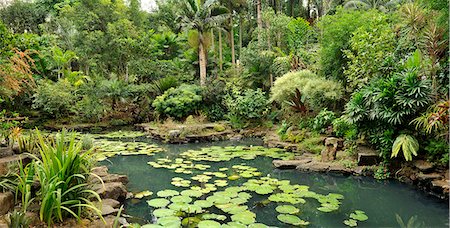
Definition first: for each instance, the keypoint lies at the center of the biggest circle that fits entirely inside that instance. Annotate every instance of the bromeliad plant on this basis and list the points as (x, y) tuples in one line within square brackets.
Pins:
[(62, 172)]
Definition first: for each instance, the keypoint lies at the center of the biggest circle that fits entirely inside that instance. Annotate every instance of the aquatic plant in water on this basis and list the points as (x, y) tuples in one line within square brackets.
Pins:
[(211, 186)]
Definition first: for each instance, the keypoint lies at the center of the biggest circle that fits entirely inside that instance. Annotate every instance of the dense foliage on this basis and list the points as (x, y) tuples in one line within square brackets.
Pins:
[(179, 102), (372, 72)]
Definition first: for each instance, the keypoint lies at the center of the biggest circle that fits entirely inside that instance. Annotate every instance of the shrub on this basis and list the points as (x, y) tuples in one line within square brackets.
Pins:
[(247, 105), (323, 120), (371, 46), (163, 84), (437, 150), (318, 92), (91, 108), (389, 100), (342, 128), (115, 90), (336, 32), (62, 172), (299, 30), (213, 95), (56, 99), (179, 102)]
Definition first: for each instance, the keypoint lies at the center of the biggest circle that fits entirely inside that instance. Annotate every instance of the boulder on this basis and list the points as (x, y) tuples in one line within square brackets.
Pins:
[(429, 176), (110, 178), (100, 171), (98, 223), (367, 156), (112, 190), (443, 184), (174, 134), (236, 137), (314, 166), (6, 202), (288, 164), (332, 145), (423, 165)]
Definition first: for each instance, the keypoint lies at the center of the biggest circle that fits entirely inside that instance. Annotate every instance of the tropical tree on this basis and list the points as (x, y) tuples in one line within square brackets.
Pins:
[(382, 5), (200, 17)]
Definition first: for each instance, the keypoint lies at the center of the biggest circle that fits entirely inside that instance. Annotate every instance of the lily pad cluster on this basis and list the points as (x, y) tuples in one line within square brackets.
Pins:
[(106, 148), (203, 190), (356, 216), (217, 154), (121, 134)]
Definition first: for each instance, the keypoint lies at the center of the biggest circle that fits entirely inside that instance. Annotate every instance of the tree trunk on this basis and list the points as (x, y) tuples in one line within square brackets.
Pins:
[(233, 54), (220, 51), (292, 7), (269, 44), (240, 36), (259, 19), (202, 62), (126, 71)]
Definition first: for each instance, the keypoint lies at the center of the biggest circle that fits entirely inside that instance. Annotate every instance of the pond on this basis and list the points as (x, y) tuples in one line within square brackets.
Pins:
[(382, 201)]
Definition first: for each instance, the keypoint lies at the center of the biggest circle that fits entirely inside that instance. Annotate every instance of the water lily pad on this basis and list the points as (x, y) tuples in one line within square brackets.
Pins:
[(214, 217), (169, 221), (143, 194), (203, 203), (351, 222), (208, 224), (246, 217), (152, 226), (234, 225), (264, 189), (167, 193), (181, 199), (158, 202), (292, 219), (287, 209), (233, 177), (191, 193), (359, 215), (164, 212), (257, 225)]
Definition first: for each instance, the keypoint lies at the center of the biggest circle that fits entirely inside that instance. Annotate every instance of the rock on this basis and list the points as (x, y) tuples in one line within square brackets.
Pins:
[(5, 152), (332, 145), (423, 166), (100, 171), (314, 166), (367, 156), (236, 137), (6, 202), (98, 223), (428, 176), (111, 178), (112, 190), (444, 184), (111, 202), (174, 134), (6, 162), (290, 164), (108, 210), (339, 168)]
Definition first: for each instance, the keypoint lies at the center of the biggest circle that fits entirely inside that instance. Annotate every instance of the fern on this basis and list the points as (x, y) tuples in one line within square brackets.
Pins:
[(408, 144)]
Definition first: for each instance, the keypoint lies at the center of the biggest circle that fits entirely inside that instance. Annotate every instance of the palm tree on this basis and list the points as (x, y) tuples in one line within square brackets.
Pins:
[(201, 16)]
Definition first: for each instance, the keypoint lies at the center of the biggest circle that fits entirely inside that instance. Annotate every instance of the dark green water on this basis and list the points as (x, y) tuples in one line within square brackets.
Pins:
[(380, 200)]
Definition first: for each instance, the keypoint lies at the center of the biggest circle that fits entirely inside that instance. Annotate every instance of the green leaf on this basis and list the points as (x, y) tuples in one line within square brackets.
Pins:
[(408, 144), (292, 219), (287, 209), (158, 202), (208, 224)]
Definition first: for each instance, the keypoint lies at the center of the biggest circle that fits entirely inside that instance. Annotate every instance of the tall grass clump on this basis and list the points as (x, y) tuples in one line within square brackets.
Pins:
[(62, 171)]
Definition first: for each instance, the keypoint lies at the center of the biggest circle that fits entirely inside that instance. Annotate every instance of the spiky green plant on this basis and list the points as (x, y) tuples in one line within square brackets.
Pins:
[(62, 171), (408, 144)]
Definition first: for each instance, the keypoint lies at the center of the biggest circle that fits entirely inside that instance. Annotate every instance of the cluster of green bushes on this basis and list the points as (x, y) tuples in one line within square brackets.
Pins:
[(56, 180), (349, 71)]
